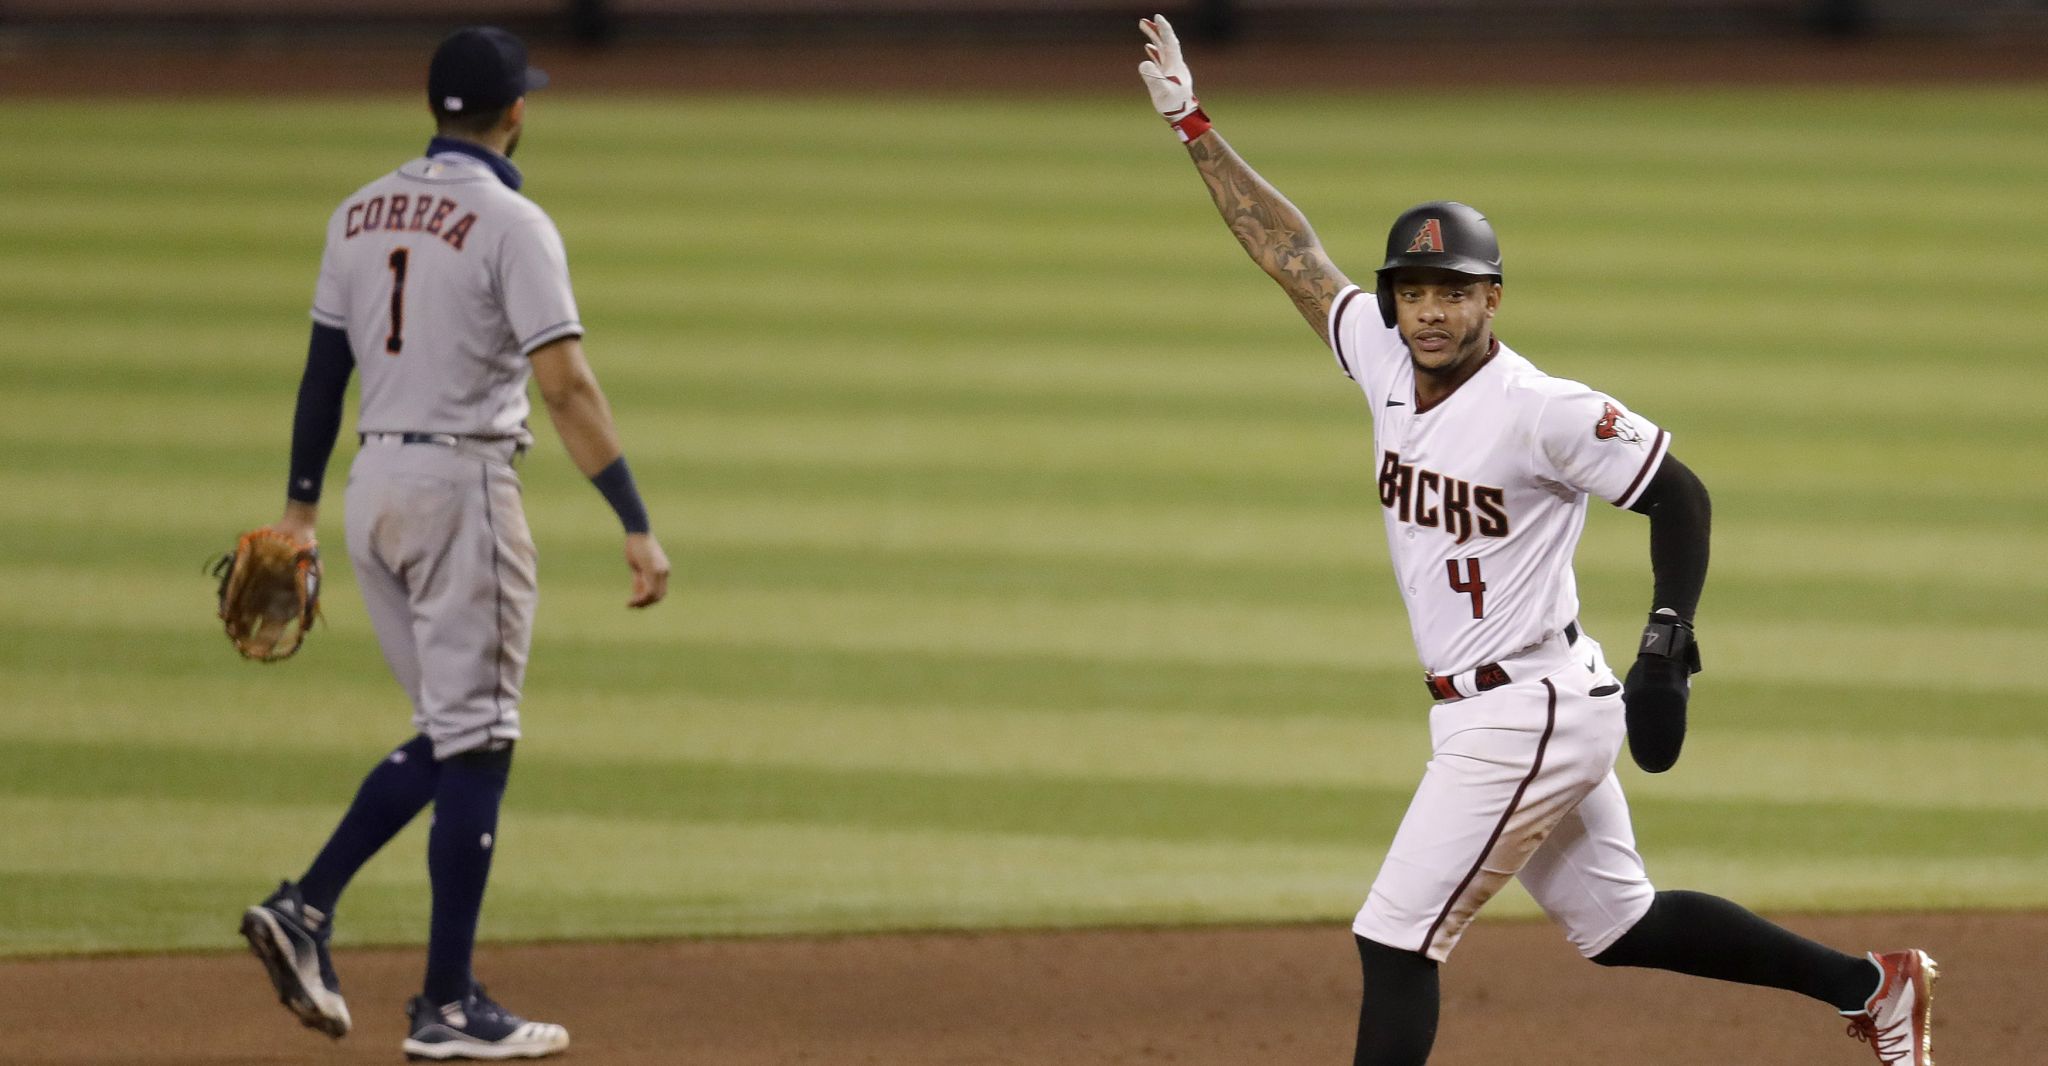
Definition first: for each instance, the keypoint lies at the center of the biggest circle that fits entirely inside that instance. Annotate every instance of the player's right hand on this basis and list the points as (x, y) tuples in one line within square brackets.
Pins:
[(1166, 73), (297, 521), (650, 569)]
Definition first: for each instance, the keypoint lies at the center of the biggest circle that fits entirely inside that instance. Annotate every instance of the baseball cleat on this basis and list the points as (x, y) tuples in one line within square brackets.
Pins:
[(1897, 1021), (290, 939), (477, 1028)]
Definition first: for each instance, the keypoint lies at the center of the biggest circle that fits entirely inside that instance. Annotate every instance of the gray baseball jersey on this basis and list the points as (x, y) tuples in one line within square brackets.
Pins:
[(445, 280)]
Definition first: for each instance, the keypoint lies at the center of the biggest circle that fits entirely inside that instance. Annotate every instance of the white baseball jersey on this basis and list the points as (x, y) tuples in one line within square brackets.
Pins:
[(1485, 491), (445, 279)]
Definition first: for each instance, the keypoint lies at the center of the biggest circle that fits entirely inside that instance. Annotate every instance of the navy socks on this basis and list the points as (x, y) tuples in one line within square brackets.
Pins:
[(391, 794), (1707, 936), (459, 852), (465, 791)]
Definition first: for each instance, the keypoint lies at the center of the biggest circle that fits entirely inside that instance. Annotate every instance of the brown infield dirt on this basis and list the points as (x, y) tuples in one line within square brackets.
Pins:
[(1514, 993)]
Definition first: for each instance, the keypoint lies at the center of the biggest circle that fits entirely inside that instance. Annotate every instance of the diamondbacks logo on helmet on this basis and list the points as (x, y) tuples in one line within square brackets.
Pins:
[(1614, 426), (1430, 238)]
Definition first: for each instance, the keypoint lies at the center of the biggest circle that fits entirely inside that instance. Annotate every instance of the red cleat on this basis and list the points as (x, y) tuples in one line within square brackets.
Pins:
[(1897, 1021)]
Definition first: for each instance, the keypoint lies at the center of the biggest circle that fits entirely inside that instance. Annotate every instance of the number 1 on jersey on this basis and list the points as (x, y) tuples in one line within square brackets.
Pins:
[(399, 257), (1471, 585)]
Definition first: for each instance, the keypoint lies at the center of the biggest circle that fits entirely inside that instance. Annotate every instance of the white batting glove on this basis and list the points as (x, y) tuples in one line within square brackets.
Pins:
[(1169, 81)]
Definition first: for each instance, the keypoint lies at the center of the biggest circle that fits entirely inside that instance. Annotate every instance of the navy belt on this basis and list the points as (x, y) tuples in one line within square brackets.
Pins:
[(496, 449), (446, 440), (1487, 677)]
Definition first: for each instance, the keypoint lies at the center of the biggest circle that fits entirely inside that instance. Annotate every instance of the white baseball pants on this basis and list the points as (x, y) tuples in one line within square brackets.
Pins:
[(1520, 783)]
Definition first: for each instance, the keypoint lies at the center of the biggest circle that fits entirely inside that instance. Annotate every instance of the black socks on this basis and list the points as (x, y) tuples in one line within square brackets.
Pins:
[(1707, 936), (1397, 1015)]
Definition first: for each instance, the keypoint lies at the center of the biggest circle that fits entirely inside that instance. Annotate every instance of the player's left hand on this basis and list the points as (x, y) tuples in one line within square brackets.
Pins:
[(650, 569), (1656, 691), (1655, 694), (1166, 74), (269, 592)]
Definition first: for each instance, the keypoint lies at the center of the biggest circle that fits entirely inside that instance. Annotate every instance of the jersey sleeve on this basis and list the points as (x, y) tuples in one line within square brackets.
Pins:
[(534, 278), (1365, 347), (1589, 442), (330, 298)]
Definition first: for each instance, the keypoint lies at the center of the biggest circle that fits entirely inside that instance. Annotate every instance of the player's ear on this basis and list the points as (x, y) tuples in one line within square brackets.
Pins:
[(515, 116), (1493, 293)]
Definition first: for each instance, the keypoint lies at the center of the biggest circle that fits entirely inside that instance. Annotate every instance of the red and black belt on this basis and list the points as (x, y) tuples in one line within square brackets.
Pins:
[(1485, 678)]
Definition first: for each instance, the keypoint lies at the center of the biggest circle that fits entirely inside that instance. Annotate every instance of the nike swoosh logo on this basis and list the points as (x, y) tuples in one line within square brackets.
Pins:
[(1395, 403)]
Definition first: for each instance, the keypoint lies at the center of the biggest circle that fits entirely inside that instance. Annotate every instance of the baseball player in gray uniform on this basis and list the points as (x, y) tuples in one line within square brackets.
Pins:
[(1485, 467), (447, 289)]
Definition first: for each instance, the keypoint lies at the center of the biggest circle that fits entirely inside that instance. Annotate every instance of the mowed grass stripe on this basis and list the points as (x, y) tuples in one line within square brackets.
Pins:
[(1363, 736), (575, 876), (749, 879), (1921, 596), (348, 701), (997, 468), (1118, 628), (1003, 803), (1783, 532), (1314, 444)]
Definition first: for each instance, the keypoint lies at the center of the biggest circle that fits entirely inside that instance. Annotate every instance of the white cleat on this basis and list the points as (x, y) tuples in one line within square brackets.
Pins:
[(290, 939), (475, 1027)]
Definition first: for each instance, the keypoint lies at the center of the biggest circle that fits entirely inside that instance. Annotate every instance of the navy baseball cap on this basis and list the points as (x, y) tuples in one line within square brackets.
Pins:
[(480, 68)]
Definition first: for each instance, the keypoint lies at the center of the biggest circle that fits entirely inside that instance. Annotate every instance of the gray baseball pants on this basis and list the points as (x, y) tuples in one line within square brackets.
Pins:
[(441, 549)]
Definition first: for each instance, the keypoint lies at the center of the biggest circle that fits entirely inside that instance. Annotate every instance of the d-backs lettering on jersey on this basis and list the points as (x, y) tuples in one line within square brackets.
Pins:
[(1441, 500), (1484, 493), (445, 280)]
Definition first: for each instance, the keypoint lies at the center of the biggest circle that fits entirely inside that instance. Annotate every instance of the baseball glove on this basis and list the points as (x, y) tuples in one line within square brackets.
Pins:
[(269, 593)]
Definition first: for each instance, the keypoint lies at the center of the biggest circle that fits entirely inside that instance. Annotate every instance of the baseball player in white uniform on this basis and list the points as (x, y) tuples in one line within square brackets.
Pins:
[(447, 288), (1485, 466)]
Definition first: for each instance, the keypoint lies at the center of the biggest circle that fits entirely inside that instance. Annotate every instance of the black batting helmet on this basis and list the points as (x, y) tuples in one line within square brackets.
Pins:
[(1443, 234)]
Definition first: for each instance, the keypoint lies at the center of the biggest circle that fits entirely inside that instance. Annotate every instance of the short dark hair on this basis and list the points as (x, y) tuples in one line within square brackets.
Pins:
[(473, 124)]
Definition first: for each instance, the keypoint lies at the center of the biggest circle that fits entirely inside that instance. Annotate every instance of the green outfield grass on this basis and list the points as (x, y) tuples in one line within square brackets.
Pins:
[(1028, 567)]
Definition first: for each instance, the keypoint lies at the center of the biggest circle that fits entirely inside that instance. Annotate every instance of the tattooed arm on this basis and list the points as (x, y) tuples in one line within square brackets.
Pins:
[(1273, 232), (1276, 235)]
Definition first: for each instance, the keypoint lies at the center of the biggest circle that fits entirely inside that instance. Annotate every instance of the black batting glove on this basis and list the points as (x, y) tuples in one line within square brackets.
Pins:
[(1656, 689)]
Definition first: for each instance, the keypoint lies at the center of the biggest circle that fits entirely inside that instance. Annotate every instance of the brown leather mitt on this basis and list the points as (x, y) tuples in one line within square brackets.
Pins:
[(269, 593)]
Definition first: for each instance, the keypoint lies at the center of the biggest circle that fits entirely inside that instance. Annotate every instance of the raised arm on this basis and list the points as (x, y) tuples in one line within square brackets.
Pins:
[(1273, 232)]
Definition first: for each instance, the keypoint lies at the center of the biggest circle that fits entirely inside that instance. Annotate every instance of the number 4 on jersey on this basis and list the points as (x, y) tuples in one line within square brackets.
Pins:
[(1471, 584)]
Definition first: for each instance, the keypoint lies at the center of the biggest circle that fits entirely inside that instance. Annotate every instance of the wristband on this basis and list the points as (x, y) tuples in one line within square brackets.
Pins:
[(1192, 125), (1668, 636), (616, 483)]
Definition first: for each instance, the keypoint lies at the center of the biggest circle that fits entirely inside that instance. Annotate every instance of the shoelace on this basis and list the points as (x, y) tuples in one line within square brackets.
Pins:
[(326, 960), (319, 938), (1892, 1045), (489, 1008)]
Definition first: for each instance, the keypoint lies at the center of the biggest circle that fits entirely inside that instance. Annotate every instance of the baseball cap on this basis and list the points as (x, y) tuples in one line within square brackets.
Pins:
[(479, 68)]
